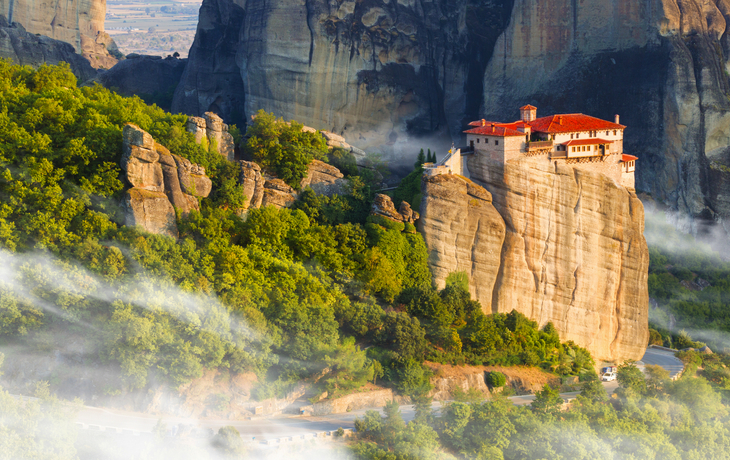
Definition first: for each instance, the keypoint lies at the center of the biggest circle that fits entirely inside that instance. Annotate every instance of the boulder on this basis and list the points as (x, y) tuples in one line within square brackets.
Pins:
[(150, 210), (324, 179), (277, 193), (212, 127)]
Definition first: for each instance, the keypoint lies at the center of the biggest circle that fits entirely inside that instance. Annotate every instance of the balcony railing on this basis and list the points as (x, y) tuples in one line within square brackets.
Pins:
[(539, 145)]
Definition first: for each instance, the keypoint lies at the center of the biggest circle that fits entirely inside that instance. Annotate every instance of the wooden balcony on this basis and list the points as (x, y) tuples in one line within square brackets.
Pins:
[(539, 145)]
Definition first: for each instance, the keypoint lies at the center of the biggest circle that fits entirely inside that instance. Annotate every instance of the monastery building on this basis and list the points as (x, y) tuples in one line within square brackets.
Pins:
[(575, 139)]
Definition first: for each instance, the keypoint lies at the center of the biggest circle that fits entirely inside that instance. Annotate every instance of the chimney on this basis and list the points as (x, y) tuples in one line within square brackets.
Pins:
[(560, 120), (615, 118), (484, 122)]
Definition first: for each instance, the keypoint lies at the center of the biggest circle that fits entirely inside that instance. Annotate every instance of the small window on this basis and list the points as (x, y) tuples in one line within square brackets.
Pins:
[(477, 140), (614, 132), (606, 133), (496, 142), (486, 140), (573, 149), (577, 135), (571, 135)]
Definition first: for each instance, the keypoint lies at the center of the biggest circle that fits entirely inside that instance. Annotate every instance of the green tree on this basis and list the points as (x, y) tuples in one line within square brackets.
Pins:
[(547, 401)]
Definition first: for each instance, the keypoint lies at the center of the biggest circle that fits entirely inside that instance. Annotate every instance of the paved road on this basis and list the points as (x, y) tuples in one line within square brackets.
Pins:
[(261, 428), (664, 358)]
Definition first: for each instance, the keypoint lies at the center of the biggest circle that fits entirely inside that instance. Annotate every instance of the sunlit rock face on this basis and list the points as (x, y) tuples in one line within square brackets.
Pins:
[(661, 65), (385, 73), (161, 183), (557, 244), (25, 48), (80, 23)]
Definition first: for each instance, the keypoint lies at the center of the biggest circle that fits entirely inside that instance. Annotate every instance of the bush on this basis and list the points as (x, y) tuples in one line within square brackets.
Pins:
[(496, 379)]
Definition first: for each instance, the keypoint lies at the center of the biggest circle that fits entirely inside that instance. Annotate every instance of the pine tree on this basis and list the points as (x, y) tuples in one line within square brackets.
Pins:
[(421, 159)]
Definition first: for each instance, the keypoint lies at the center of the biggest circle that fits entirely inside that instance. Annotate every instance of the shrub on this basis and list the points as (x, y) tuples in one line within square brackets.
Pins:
[(496, 379)]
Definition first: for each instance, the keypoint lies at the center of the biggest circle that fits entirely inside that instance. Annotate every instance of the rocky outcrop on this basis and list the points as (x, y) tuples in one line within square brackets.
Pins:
[(383, 206), (29, 49), (260, 189), (573, 253), (161, 183), (463, 232), (79, 23), (211, 127), (152, 78)]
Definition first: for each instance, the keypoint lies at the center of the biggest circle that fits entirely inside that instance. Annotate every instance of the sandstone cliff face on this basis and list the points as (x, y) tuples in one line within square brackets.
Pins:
[(161, 182), (211, 127), (80, 23), (377, 70), (573, 251), (29, 49), (662, 65), (385, 72)]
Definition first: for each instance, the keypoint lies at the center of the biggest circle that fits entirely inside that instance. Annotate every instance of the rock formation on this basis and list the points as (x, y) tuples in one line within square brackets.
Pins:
[(29, 49), (379, 71), (573, 250), (161, 183), (463, 232), (79, 23), (211, 127), (383, 206), (384, 72), (152, 78), (260, 189)]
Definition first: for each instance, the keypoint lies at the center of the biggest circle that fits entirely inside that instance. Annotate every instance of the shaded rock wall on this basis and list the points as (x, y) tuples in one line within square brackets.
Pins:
[(573, 251), (29, 49), (161, 183), (152, 78), (379, 71), (80, 23)]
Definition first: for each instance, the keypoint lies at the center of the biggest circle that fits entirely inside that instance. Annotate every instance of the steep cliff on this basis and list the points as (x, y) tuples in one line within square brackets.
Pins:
[(385, 72), (378, 70), (80, 23), (152, 78), (29, 49), (555, 243), (662, 65)]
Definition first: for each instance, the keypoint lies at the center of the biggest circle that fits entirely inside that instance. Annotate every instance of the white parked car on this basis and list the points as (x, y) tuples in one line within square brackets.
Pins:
[(608, 376)]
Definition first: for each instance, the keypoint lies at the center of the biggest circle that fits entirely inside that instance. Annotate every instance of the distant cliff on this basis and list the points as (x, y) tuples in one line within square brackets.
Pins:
[(557, 244), (384, 72), (80, 23)]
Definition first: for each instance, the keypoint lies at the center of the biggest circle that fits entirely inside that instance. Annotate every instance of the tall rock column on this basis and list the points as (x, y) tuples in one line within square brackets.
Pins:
[(574, 253)]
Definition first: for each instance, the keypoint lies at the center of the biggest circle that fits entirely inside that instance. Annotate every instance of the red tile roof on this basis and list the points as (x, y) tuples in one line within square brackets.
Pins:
[(587, 142), (495, 129), (571, 122), (625, 157), (528, 107)]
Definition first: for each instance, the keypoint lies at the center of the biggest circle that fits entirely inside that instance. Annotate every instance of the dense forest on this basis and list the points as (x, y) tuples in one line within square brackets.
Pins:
[(321, 290)]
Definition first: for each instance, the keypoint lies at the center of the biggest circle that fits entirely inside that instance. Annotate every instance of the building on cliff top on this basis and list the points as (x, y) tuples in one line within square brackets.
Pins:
[(578, 140)]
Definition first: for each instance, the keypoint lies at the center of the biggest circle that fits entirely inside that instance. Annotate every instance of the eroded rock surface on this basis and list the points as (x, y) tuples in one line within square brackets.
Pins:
[(161, 183), (383, 206), (211, 127), (80, 23), (573, 253), (463, 232), (25, 48)]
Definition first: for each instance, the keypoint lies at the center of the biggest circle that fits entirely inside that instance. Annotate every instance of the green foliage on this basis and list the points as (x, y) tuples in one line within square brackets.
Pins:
[(547, 401), (496, 379), (630, 380), (409, 189), (228, 441), (283, 147)]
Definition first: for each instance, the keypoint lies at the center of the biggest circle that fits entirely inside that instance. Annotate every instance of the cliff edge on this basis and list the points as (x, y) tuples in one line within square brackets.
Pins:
[(555, 243)]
